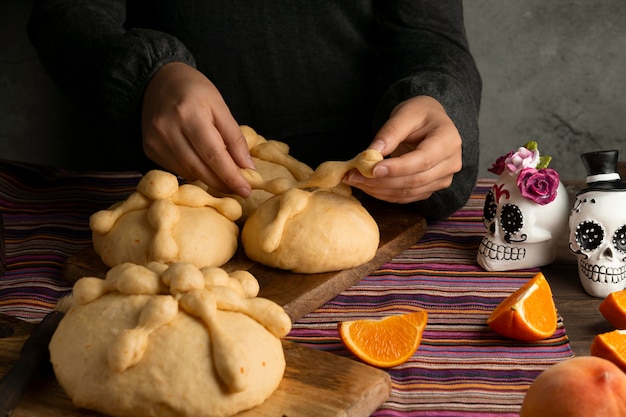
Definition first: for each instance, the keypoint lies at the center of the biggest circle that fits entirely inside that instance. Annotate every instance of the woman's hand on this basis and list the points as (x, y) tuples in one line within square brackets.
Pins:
[(425, 152), (189, 130)]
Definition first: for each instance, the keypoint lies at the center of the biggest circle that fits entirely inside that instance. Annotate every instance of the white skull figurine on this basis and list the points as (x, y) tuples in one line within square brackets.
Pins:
[(597, 226), (525, 212), (520, 233)]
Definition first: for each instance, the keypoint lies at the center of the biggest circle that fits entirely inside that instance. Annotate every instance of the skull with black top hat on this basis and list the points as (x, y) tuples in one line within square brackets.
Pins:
[(597, 225)]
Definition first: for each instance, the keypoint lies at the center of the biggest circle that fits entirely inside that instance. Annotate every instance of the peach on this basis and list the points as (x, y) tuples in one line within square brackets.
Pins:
[(579, 387)]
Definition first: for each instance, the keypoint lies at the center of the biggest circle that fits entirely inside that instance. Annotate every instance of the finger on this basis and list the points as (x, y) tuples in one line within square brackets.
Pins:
[(404, 122), (212, 152), (391, 134), (182, 160), (395, 190), (441, 147), (233, 136)]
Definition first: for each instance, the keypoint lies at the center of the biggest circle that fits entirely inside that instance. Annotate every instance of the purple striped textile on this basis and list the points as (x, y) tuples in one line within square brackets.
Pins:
[(46, 218), (461, 368)]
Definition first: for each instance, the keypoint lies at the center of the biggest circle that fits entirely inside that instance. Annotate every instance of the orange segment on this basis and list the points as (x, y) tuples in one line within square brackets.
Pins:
[(611, 346), (529, 314), (386, 342), (613, 308)]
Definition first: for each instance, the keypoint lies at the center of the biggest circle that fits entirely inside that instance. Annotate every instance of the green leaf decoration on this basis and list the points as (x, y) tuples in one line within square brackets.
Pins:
[(544, 161), (531, 146)]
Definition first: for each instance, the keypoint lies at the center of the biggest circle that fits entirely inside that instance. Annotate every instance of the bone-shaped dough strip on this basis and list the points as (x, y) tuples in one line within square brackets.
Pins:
[(274, 186), (229, 358), (163, 215), (103, 221), (293, 202), (264, 311), (129, 345), (191, 195), (278, 152), (126, 278), (330, 173)]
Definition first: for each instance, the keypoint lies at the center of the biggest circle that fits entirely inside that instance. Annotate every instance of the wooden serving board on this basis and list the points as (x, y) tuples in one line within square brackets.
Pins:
[(299, 294), (316, 384)]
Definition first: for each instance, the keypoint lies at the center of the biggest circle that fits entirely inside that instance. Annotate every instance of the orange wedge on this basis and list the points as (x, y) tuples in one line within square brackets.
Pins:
[(613, 308), (611, 346), (529, 314), (386, 342)]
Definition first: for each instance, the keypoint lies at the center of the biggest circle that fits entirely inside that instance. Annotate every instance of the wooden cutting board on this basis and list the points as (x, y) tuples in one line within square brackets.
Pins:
[(316, 384), (299, 294)]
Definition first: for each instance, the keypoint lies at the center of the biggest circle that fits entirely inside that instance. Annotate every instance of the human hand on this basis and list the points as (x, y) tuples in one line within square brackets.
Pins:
[(189, 130), (425, 152)]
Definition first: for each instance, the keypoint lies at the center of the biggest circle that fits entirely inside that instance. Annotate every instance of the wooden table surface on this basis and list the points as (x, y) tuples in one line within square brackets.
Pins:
[(581, 317)]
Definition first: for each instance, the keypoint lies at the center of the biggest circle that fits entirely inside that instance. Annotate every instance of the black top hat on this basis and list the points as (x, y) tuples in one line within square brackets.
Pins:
[(602, 172)]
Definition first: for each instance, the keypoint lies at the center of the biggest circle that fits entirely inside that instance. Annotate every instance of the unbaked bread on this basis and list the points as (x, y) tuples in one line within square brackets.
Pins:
[(165, 222), (314, 225), (272, 161), (311, 232), (161, 340)]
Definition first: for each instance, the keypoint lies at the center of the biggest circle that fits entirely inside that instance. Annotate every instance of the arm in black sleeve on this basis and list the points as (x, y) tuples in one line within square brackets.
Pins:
[(102, 67), (425, 50)]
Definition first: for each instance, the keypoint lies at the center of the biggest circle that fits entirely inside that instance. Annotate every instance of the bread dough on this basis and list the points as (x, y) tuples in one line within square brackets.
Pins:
[(166, 223), (272, 161), (161, 340), (313, 225), (265, 169), (311, 232)]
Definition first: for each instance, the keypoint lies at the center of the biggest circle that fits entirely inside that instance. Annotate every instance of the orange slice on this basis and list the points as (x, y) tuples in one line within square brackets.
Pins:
[(529, 314), (613, 308), (611, 346), (386, 342)]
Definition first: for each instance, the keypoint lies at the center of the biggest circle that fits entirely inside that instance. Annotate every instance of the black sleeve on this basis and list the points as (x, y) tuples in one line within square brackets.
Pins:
[(425, 49), (99, 65)]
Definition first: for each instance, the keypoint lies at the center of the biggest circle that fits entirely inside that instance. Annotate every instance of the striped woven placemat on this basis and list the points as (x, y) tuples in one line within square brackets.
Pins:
[(46, 218), (462, 368)]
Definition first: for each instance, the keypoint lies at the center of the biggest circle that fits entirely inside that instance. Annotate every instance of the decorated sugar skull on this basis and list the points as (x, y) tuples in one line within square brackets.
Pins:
[(525, 212), (597, 226)]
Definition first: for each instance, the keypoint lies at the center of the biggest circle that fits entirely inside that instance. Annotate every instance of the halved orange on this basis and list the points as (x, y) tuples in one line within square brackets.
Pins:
[(529, 314), (385, 342), (611, 346), (613, 308)]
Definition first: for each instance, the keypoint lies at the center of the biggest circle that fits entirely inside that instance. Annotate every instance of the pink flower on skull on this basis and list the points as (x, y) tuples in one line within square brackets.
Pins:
[(523, 158)]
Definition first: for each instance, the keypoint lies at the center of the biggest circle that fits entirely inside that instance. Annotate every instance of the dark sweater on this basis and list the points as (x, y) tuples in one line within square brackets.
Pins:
[(319, 75)]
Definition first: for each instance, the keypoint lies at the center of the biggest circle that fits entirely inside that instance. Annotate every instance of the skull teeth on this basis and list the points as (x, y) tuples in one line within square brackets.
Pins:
[(499, 252), (603, 274)]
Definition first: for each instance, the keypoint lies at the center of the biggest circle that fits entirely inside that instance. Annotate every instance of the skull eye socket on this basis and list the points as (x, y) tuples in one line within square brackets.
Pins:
[(589, 235), (511, 218), (489, 210), (619, 239)]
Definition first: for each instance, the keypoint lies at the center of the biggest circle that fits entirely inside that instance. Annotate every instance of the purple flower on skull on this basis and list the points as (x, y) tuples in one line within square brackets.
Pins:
[(499, 166), (539, 186), (535, 181)]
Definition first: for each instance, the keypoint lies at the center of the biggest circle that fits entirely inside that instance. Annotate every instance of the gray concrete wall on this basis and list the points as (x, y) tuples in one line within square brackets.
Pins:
[(554, 71)]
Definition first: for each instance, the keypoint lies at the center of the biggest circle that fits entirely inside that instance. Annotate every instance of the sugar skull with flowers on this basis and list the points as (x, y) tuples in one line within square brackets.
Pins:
[(525, 212)]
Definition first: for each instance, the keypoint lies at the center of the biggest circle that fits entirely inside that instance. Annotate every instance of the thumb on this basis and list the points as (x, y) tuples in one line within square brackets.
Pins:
[(393, 132)]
